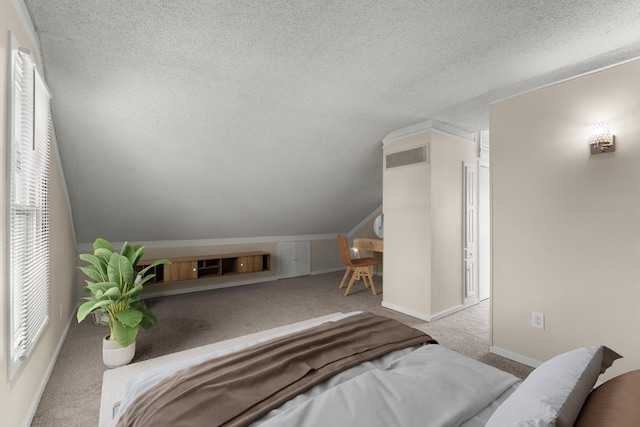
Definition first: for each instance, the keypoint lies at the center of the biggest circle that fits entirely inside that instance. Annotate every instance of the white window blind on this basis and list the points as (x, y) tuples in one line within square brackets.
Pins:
[(30, 138)]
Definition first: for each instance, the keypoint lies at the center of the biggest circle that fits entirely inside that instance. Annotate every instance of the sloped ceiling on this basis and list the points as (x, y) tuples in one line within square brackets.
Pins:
[(191, 119)]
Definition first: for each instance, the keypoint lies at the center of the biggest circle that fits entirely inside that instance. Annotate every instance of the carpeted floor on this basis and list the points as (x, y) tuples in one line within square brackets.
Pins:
[(72, 396)]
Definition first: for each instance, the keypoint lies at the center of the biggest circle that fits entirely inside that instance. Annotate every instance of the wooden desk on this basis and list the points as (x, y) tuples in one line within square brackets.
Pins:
[(374, 245)]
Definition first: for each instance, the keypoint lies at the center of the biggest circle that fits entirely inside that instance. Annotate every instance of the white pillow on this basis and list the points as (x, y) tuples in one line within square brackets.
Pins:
[(554, 392)]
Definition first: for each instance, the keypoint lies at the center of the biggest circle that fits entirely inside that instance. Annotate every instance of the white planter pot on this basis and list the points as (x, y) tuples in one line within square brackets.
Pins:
[(100, 319), (113, 355)]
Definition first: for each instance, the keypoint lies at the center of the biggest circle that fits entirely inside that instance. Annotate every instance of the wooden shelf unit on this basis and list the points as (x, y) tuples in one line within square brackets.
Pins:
[(207, 266)]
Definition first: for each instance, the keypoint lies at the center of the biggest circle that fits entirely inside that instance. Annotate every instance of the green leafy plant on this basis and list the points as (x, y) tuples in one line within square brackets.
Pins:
[(115, 289)]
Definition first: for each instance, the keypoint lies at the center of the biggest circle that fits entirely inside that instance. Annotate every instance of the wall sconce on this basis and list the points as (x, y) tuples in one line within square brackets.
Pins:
[(600, 138)]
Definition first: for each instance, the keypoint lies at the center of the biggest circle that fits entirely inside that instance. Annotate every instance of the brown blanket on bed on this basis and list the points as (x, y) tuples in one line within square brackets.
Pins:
[(241, 387)]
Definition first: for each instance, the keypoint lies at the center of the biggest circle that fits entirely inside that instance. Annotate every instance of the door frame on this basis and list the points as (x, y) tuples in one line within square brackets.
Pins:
[(469, 232)]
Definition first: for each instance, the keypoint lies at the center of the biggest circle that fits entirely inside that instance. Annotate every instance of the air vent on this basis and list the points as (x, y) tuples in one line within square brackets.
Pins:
[(407, 157)]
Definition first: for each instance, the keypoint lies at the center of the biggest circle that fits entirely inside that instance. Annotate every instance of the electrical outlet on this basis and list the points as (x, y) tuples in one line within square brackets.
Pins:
[(537, 320)]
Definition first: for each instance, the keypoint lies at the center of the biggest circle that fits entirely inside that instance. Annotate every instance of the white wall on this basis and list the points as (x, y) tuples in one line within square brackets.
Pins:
[(448, 152), (566, 224), (325, 256), (484, 232), (18, 398), (423, 226), (406, 200)]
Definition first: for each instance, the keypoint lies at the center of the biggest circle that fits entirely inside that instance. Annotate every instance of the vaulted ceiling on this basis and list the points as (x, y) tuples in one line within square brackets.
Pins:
[(199, 119)]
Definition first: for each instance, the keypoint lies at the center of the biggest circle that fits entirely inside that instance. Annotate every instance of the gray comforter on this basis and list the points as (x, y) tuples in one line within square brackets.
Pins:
[(422, 385), (429, 386)]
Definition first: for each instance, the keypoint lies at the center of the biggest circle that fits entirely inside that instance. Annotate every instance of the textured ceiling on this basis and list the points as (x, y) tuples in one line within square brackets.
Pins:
[(203, 119)]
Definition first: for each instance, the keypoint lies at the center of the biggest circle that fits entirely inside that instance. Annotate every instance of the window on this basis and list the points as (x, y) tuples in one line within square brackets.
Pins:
[(29, 124)]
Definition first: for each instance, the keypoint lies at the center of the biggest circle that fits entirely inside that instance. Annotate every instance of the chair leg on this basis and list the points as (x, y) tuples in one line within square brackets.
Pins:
[(353, 279), (344, 278), (373, 287), (362, 273)]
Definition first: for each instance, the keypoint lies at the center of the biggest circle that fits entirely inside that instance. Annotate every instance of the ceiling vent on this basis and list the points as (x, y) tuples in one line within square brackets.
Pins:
[(407, 157)]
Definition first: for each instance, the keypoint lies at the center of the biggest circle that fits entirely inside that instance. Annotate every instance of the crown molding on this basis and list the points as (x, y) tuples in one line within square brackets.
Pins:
[(425, 126)]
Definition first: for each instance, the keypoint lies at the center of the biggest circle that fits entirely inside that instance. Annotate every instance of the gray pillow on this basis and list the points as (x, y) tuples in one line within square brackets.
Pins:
[(553, 394)]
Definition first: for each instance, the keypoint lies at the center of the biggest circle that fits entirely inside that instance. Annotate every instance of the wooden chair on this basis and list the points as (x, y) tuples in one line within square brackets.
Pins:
[(362, 267)]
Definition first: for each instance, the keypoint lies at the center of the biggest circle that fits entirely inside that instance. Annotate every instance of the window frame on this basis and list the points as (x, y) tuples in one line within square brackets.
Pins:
[(28, 222)]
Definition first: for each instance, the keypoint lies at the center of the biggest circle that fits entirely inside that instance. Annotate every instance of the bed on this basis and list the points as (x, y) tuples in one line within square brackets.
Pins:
[(358, 369)]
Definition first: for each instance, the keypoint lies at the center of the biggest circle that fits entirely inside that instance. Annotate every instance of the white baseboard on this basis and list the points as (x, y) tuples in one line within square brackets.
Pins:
[(189, 289), (451, 310), (424, 316), (408, 311), (342, 269), (45, 378), (330, 270), (514, 356)]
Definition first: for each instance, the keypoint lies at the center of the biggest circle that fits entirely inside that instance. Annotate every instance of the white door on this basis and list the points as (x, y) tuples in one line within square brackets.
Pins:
[(470, 245), (286, 256), (302, 258), (294, 259)]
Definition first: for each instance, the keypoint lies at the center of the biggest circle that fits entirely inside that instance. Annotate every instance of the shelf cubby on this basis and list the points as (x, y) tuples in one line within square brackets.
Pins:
[(199, 267)]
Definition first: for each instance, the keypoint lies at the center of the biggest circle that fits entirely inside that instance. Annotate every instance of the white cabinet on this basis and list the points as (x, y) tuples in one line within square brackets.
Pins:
[(294, 259)]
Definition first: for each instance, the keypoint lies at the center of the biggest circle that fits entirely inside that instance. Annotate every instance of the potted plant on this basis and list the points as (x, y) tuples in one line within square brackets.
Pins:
[(115, 289)]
